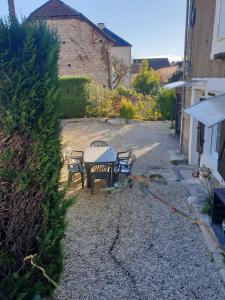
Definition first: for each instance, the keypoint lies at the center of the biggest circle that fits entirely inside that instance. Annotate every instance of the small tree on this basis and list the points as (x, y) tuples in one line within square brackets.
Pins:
[(120, 71), (32, 209), (127, 109), (147, 81)]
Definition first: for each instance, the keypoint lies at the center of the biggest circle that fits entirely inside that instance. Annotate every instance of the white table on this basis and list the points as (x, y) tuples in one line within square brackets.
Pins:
[(99, 155)]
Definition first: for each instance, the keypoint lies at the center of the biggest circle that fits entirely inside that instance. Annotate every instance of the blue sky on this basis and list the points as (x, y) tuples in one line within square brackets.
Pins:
[(153, 27)]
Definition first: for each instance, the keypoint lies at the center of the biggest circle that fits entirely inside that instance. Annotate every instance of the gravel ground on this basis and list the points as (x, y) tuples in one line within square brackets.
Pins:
[(126, 245)]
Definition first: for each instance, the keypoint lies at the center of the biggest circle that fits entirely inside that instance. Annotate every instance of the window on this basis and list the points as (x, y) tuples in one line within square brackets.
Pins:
[(218, 137), (221, 161), (221, 27), (193, 15), (215, 139)]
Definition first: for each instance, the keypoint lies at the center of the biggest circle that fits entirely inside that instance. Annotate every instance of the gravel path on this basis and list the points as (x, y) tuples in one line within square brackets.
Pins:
[(127, 246)]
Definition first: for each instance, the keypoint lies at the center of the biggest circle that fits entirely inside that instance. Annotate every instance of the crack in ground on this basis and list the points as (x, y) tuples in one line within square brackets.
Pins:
[(120, 264)]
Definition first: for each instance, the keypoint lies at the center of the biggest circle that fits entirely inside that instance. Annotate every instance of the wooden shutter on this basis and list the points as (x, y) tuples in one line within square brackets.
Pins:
[(200, 137), (200, 134), (221, 161)]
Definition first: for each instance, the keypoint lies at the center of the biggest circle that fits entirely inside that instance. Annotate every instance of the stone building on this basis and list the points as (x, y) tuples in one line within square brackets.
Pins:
[(86, 49)]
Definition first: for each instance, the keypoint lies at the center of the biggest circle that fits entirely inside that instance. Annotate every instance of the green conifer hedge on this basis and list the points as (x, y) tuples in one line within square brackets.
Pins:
[(32, 208), (73, 95)]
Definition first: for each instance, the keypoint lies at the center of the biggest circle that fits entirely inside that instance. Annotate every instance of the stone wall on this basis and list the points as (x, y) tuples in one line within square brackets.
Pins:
[(84, 51)]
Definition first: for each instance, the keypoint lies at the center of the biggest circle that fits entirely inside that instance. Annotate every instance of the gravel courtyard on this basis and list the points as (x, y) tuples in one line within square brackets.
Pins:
[(126, 245)]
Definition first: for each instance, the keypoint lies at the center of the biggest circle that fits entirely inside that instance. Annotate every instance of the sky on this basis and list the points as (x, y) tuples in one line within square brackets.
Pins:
[(155, 28)]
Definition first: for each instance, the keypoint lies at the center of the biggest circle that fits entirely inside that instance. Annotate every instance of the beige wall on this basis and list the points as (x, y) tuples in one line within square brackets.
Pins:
[(198, 54), (84, 51), (200, 42), (186, 124), (124, 55)]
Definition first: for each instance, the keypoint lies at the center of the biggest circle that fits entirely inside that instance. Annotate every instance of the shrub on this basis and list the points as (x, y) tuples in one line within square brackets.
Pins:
[(148, 109), (99, 102), (147, 81), (127, 109), (32, 209), (73, 94), (122, 91), (167, 103)]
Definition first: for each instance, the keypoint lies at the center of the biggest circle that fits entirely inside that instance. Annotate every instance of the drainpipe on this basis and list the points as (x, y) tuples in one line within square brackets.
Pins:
[(109, 62), (184, 72)]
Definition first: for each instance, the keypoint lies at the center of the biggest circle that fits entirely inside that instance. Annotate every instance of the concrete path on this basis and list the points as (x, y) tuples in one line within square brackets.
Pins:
[(129, 246)]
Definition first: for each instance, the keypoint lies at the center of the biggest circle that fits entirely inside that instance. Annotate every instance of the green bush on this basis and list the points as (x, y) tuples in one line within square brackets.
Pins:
[(207, 208), (167, 104), (122, 91), (147, 81), (99, 102), (32, 209), (127, 109), (148, 109), (73, 94)]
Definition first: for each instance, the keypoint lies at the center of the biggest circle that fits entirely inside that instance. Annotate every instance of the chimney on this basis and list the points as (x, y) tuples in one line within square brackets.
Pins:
[(11, 7), (101, 25)]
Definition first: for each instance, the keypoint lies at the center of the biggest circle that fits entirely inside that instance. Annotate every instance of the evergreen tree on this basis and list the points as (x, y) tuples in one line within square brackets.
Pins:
[(147, 81), (166, 101), (32, 208)]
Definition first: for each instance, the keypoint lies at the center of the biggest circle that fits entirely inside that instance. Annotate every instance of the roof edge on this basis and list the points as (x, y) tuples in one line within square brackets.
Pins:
[(75, 16), (126, 44), (96, 28)]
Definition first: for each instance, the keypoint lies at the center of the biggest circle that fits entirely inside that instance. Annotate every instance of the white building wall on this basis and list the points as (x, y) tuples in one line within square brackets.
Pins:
[(209, 158), (124, 55), (193, 155)]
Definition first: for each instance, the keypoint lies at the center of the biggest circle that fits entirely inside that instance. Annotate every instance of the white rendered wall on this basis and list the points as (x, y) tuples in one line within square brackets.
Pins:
[(123, 54), (193, 156), (216, 86)]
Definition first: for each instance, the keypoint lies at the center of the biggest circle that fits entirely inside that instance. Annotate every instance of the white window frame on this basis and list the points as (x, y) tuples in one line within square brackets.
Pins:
[(218, 42)]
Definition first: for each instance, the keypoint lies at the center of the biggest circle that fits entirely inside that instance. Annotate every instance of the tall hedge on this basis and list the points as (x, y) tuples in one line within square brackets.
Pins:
[(73, 94), (166, 100), (32, 209)]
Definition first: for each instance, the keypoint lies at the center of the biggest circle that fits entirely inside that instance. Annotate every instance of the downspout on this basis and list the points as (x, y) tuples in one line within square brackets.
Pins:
[(109, 68), (184, 72)]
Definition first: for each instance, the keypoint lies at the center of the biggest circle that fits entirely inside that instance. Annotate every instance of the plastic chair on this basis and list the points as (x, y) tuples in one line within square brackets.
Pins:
[(123, 157), (75, 164), (99, 144), (100, 171), (125, 169)]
